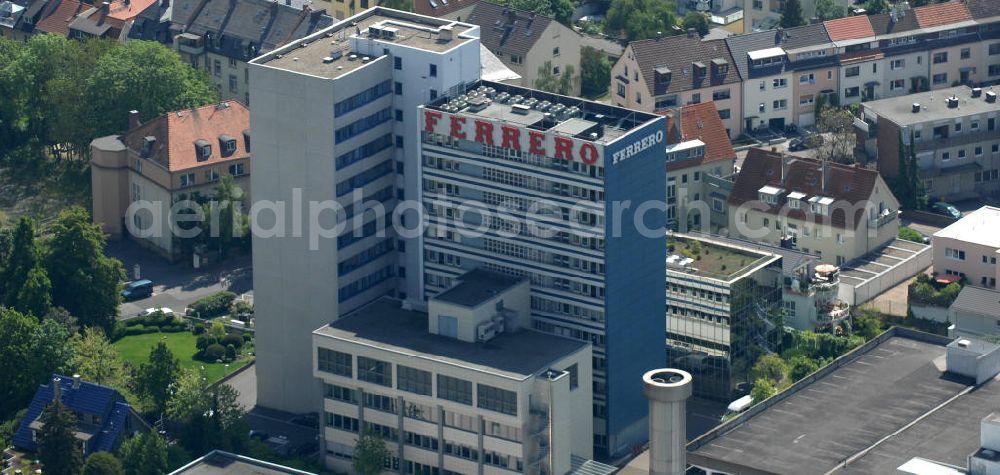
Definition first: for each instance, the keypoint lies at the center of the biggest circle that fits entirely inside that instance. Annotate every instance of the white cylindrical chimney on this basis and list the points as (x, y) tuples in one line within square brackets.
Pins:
[(667, 391)]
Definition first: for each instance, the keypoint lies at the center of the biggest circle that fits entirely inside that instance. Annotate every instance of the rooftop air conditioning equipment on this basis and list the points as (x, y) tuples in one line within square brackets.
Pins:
[(490, 92), (557, 109), (953, 102), (530, 102), (503, 98), (517, 99), (520, 109), (352, 57), (977, 91), (991, 97), (389, 33), (543, 106), (916, 107)]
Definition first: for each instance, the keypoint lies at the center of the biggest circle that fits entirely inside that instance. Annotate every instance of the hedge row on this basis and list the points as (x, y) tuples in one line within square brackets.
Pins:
[(213, 305)]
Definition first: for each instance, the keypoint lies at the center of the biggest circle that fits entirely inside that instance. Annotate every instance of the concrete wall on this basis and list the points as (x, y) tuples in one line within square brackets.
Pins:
[(109, 184), (930, 312), (887, 280)]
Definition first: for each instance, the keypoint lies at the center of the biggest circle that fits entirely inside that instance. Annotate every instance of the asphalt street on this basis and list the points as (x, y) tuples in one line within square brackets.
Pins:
[(177, 285)]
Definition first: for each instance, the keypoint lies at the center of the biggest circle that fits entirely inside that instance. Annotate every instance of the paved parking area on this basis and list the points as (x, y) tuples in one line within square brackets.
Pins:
[(177, 285), (284, 435)]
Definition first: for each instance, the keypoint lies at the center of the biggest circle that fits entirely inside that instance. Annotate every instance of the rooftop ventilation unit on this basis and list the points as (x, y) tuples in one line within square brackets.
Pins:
[(520, 109), (991, 97), (517, 99), (390, 33), (530, 102), (352, 57), (543, 106), (365, 59), (557, 109), (977, 91), (445, 33), (503, 98), (478, 103), (375, 31), (916, 107), (953, 102)]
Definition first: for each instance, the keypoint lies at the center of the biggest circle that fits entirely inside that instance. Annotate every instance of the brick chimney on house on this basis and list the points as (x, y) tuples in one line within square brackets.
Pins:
[(56, 389), (133, 117)]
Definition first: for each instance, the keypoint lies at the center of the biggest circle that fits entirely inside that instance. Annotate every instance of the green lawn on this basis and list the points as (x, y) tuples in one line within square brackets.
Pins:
[(135, 349)]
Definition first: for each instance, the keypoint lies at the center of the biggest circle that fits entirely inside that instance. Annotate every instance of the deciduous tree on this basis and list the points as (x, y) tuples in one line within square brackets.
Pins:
[(839, 140), (85, 281), (641, 19), (828, 10), (103, 463), (144, 454), (96, 360), (697, 21), (762, 389), (595, 72), (562, 83), (370, 453)]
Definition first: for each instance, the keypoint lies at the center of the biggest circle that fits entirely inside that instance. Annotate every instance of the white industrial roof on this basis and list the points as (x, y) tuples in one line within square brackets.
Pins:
[(765, 53), (981, 227)]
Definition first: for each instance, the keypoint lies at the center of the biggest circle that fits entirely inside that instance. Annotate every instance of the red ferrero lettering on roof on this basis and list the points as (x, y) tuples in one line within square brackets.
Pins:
[(506, 135)]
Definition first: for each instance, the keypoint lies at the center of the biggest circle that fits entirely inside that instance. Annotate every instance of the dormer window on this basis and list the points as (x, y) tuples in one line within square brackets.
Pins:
[(795, 200), (203, 149), (227, 144), (769, 194), (662, 75), (147, 146), (720, 66), (700, 70), (820, 205)]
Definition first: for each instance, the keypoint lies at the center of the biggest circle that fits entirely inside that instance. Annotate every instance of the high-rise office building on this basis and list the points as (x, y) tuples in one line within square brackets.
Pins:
[(568, 194), (334, 117)]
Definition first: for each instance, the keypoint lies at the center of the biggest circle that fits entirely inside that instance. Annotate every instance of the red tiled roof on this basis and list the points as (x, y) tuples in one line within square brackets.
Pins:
[(56, 18), (176, 133), (702, 122), (843, 183), (122, 10), (941, 14), (440, 8), (849, 28)]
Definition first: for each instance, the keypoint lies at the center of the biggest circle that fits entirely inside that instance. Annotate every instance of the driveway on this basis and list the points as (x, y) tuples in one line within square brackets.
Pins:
[(178, 285), (283, 435)]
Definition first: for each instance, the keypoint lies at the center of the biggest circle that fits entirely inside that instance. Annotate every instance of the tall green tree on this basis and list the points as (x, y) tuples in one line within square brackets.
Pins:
[(57, 447), (35, 296), (370, 453), (96, 360), (102, 463), (30, 351), (874, 7), (762, 389), (801, 366), (595, 72), (85, 281), (157, 375), (212, 417), (829, 10), (23, 257), (770, 367), (228, 226), (792, 15), (562, 83), (641, 19), (560, 10), (145, 76), (697, 21), (144, 454), (837, 125)]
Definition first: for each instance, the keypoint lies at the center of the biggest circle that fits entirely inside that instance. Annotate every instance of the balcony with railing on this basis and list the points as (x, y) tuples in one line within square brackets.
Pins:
[(191, 44), (886, 218)]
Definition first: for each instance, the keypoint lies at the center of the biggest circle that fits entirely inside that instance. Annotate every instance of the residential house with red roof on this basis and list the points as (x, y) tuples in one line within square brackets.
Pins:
[(664, 73), (837, 212), (861, 60), (173, 157), (700, 158)]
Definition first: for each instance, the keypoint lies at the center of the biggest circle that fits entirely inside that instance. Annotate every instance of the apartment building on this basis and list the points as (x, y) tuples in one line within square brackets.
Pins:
[(668, 72), (335, 120), (700, 162), (811, 57), (176, 156), (953, 133), (79, 20), (723, 303), (505, 152), (837, 212), (222, 36), (969, 248), (767, 80), (906, 68), (953, 43), (526, 41), (14, 20), (462, 386), (762, 15)]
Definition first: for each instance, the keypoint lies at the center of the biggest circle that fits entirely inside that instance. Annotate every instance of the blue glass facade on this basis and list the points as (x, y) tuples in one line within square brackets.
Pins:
[(634, 280)]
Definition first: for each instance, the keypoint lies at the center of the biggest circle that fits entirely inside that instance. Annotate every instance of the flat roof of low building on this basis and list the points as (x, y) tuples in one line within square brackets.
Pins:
[(981, 227), (977, 300), (878, 410), (715, 259), (327, 53), (933, 105), (384, 324), (477, 286), (218, 462)]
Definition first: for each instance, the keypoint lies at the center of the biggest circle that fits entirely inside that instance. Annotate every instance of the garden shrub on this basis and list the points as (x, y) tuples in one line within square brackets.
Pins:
[(214, 352), (233, 339), (213, 305)]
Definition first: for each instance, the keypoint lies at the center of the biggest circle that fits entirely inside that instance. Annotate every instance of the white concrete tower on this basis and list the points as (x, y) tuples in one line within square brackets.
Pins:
[(667, 391)]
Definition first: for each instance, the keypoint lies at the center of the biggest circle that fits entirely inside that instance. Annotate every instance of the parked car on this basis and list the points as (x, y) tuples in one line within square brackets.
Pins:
[(946, 209), (149, 311), (138, 289)]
